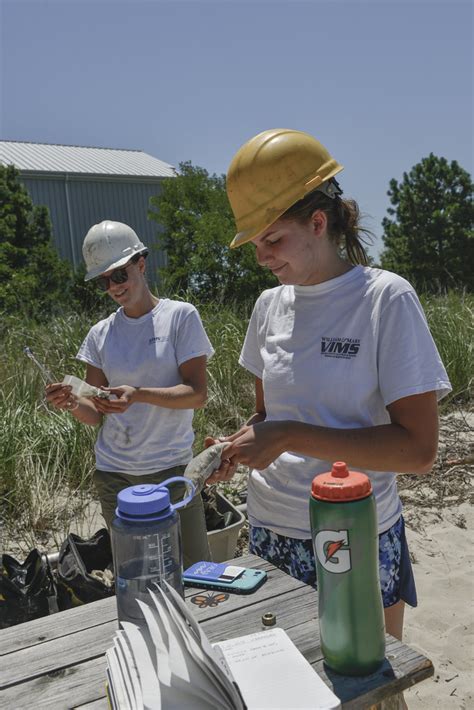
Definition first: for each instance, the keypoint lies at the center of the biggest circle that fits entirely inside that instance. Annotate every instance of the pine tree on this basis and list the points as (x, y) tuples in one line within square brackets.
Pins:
[(430, 239), (196, 228), (33, 279)]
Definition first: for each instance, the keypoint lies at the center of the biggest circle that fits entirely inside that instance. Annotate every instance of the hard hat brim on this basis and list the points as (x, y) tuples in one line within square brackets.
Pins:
[(93, 273)]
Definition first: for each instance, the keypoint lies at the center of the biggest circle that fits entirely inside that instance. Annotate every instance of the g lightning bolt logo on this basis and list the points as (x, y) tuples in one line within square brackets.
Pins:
[(333, 551)]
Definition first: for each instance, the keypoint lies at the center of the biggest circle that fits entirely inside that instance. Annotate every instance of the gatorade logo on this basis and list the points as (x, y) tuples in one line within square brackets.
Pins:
[(333, 551)]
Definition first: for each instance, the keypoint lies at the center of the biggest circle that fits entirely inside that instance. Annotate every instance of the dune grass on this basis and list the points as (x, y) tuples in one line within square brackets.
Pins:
[(451, 321)]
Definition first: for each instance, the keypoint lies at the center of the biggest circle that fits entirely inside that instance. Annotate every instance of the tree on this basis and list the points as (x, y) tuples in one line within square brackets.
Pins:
[(33, 279), (196, 228), (430, 240)]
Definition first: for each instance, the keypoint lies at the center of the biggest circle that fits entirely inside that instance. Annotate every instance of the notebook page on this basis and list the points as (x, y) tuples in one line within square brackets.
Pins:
[(271, 673), (201, 653)]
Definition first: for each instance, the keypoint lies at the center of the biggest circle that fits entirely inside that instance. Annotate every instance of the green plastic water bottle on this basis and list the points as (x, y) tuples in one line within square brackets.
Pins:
[(345, 541)]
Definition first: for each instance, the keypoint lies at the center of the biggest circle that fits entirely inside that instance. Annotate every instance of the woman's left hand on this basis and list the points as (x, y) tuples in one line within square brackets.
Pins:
[(123, 399), (61, 397), (257, 445)]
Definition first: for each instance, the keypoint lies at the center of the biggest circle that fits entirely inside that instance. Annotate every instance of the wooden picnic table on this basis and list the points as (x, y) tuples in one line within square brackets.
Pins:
[(58, 661)]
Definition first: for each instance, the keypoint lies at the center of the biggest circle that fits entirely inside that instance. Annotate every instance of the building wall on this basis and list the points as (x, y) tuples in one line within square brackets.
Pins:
[(75, 204)]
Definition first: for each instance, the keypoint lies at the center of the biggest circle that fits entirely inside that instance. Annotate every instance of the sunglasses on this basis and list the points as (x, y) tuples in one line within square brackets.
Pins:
[(118, 276)]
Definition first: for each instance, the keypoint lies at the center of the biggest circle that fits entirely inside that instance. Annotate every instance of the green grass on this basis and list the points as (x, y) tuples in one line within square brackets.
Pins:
[(47, 457), (451, 320)]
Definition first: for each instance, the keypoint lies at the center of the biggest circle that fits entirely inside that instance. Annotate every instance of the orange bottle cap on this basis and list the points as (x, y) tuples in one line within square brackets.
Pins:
[(340, 484)]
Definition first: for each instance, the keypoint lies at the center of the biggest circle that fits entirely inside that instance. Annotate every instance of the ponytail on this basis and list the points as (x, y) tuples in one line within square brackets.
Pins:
[(343, 222), (348, 225)]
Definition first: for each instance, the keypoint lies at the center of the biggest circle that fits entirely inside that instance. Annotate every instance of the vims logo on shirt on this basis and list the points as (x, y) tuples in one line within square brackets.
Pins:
[(340, 347)]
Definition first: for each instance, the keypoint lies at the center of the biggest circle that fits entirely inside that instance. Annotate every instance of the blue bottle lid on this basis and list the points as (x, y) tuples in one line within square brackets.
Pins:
[(146, 501), (149, 501)]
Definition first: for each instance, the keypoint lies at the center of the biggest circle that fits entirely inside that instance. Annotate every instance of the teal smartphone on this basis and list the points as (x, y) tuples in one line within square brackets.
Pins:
[(213, 576)]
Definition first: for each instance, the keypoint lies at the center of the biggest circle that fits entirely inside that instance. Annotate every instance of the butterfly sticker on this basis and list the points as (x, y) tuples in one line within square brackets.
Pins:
[(210, 599)]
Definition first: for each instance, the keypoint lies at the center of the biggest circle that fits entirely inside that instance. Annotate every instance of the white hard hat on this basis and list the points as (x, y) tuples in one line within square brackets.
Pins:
[(109, 245)]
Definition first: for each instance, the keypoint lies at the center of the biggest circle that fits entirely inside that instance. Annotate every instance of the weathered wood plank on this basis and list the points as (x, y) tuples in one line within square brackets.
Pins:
[(57, 656), (100, 704), (63, 623), (291, 609), (391, 678), (61, 690), (361, 695)]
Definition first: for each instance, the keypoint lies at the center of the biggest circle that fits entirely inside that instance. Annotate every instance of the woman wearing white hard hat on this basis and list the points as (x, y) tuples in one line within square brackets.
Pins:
[(151, 354), (345, 366)]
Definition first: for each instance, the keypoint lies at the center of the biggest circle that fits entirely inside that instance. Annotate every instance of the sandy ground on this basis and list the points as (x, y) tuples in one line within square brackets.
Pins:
[(439, 521), (442, 625)]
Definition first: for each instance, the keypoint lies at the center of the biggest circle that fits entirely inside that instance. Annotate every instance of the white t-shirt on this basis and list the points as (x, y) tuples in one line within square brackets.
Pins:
[(146, 352), (335, 355)]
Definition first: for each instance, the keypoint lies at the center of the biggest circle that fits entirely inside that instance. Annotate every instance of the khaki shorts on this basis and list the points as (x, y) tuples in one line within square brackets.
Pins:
[(193, 522)]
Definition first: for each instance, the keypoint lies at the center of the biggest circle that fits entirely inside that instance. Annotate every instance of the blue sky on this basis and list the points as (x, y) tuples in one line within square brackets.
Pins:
[(381, 84)]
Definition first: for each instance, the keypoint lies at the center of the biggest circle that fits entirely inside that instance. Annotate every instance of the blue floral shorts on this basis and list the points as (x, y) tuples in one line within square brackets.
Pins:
[(296, 557)]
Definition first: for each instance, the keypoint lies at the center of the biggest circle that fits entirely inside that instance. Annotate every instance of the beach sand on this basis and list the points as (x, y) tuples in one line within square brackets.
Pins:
[(442, 625), (439, 521)]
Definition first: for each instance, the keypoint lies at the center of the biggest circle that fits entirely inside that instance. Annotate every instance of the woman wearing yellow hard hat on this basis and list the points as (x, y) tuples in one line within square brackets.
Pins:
[(344, 363)]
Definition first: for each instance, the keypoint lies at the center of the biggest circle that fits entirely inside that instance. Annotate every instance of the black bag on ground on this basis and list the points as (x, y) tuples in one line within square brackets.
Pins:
[(85, 570), (27, 590)]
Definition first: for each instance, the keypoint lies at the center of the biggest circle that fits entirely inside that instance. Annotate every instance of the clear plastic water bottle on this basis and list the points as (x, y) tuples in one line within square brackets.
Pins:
[(146, 544), (345, 540)]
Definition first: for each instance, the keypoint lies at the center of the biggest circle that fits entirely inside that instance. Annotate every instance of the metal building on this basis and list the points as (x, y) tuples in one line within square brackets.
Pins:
[(82, 186)]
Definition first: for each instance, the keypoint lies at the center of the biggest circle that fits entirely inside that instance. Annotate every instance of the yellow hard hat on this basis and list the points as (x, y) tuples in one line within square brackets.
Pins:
[(271, 172)]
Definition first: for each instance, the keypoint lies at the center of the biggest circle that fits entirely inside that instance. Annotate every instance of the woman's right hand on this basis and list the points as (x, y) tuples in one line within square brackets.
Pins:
[(226, 470), (60, 396), (258, 445)]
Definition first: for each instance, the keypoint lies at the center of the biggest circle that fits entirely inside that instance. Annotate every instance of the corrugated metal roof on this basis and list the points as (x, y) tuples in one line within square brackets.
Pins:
[(74, 159)]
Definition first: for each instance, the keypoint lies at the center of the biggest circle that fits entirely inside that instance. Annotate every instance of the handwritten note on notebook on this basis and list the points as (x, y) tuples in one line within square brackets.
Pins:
[(272, 673)]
